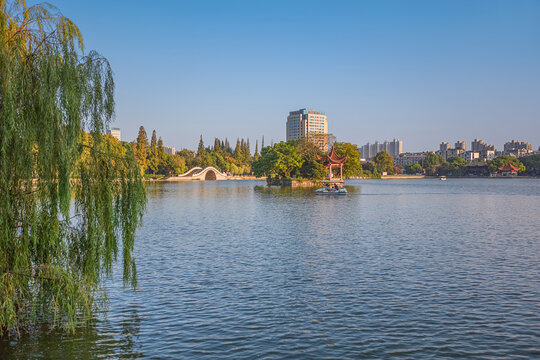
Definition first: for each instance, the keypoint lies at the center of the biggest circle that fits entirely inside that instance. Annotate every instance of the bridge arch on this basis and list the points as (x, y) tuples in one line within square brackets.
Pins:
[(210, 175)]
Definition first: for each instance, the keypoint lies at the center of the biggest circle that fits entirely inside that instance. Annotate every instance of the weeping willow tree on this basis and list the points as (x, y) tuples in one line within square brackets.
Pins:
[(70, 198)]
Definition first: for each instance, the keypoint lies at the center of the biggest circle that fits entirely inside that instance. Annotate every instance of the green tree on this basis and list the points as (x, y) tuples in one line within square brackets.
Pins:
[(141, 148), (453, 166), (414, 169), (153, 156), (383, 162), (59, 236), (266, 164), (312, 167), (288, 158), (532, 164), (353, 165), (502, 161), (430, 162), (200, 148)]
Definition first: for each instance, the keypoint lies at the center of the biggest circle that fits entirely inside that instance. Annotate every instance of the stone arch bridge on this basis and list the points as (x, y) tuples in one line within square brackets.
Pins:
[(198, 173)]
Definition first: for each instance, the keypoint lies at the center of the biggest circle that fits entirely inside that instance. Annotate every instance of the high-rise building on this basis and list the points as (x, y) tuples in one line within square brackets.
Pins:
[(115, 133), (444, 146), (169, 150), (310, 124), (393, 148), (518, 148), (480, 145), (461, 145)]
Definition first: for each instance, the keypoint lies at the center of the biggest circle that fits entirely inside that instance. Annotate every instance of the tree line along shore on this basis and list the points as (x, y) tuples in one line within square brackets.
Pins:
[(300, 159)]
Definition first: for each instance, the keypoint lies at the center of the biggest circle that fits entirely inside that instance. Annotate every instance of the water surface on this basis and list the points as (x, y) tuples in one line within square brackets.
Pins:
[(398, 268)]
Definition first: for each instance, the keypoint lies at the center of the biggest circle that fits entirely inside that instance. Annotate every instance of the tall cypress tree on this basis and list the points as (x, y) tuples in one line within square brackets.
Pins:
[(200, 148), (153, 157), (141, 148)]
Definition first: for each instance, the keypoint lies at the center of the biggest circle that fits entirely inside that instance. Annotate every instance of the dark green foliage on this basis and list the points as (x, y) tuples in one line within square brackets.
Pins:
[(414, 169), (59, 235), (353, 166), (532, 164), (200, 148), (504, 160), (453, 166), (383, 162), (430, 163)]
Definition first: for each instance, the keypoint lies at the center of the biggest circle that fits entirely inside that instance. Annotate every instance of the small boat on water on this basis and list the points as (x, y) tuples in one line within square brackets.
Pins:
[(442, 178), (331, 187)]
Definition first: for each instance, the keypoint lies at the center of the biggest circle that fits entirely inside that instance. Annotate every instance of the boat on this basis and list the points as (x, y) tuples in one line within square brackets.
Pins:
[(442, 178), (331, 187)]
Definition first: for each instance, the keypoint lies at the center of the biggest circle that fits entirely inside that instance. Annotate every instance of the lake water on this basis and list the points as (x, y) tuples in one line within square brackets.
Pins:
[(397, 268)]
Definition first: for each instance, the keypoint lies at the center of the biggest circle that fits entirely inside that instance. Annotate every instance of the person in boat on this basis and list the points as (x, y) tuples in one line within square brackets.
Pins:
[(327, 187), (336, 187)]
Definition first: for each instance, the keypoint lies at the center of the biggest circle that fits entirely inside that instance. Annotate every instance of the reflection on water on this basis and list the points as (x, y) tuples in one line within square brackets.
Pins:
[(396, 268)]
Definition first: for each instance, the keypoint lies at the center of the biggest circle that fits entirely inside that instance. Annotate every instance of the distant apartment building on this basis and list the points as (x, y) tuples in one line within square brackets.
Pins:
[(470, 155), (169, 150), (405, 159), (451, 153), (461, 145), (517, 148), (393, 148), (480, 145), (444, 146), (479, 150), (115, 133), (310, 124)]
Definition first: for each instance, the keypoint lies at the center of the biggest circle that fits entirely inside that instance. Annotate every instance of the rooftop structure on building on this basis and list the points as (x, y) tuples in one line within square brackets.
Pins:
[(115, 133), (393, 148), (310, 124)]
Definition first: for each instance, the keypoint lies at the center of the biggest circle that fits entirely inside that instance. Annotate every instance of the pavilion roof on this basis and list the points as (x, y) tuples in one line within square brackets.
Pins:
[(509, 167), (333, 158)]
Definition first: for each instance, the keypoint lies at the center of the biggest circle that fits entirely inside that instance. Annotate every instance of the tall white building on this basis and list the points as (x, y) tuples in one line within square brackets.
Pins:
[(115, 132), (169, 150), (310, 124), (393, 148)]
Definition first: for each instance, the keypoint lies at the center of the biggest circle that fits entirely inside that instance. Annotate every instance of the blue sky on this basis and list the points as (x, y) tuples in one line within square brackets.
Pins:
[(420, 71)]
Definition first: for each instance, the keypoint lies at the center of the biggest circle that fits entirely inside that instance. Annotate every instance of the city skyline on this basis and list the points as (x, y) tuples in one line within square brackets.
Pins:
[(418, 70)]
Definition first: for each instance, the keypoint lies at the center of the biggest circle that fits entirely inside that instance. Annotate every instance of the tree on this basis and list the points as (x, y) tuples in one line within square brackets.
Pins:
[(288, 158), (532, 164), (430, 162), (353, 166), (312, 167), (414, 169), (141, 148), (265, 165), (200, 148), (59, 236), (153, 156), (502, 161), (383, 162)]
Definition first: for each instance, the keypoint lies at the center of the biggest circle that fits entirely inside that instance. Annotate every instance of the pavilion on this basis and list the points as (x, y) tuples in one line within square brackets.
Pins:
[(333, 160), (508, 170)]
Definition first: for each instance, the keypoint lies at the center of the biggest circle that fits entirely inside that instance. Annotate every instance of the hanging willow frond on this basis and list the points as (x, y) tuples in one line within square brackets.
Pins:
[(70, 197)]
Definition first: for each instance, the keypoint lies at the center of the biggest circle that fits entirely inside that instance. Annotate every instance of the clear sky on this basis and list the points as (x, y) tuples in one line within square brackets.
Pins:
[(421, 71)]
